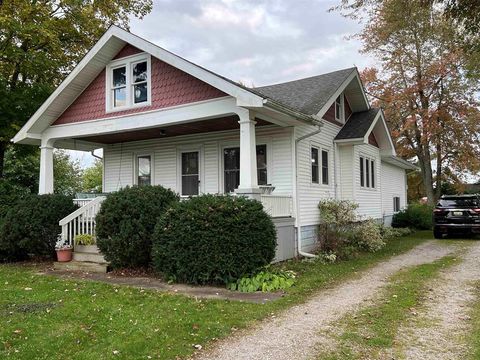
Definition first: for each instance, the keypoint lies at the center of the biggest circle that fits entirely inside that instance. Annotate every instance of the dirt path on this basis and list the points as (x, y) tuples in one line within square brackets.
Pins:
[(294, 334), (438, 331)]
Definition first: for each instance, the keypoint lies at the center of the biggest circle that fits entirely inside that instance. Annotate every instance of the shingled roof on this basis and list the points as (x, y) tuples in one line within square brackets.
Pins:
[(357, 125), (307, 95)]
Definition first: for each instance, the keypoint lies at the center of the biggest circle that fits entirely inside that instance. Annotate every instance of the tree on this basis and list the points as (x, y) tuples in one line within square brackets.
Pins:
[(430, 103), (92, 177), (40, 42), (67, 174)]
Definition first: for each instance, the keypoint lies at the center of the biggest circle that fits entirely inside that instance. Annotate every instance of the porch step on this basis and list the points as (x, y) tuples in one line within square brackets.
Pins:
[(88, 257), (81, 266)]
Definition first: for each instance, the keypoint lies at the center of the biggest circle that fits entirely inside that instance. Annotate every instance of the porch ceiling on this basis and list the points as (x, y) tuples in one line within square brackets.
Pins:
[(196, 127)]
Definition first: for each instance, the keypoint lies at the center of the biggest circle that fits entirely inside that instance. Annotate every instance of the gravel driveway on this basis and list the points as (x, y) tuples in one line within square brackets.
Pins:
[(294, 334), (438, 331)]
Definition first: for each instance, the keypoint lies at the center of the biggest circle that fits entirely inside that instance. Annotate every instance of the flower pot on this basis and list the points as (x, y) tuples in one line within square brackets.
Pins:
[(64, 255)]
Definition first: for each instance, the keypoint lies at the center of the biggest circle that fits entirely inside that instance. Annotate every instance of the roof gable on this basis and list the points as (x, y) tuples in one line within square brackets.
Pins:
[(170, 87), (95, 62), (308, 95), (361, 125)]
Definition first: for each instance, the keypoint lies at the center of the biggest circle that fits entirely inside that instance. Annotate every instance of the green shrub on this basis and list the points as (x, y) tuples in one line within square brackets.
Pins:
[(30, 227), (126, 221), (213, 239), (417, 216), (264, 281), (85, 239), (367, 236), (337, 218)]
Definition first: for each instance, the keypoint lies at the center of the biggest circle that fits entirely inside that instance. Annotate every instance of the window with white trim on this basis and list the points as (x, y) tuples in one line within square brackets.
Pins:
[(339, 108), (128, 83), (324, 167), (315, 170), (367, 172), (231, 167), (144, 170), (396, 204)]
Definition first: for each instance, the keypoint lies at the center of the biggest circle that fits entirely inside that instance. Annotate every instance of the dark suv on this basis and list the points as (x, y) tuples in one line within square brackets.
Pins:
[(456, 214)]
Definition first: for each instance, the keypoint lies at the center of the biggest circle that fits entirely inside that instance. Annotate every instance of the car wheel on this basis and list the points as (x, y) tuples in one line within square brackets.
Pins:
[(437, 234)]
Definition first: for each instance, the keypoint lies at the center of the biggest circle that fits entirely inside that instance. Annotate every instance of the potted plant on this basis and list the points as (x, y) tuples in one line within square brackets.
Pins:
[(64, 250)]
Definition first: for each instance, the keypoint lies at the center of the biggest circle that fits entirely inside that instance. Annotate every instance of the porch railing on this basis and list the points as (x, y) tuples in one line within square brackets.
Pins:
[(277, 205), (82, 202), (82, 220)]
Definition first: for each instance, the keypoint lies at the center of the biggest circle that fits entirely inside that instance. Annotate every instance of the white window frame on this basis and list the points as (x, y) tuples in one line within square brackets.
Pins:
[(128, 62), (188, 149), (372, 175), (340, 117), (232, 144), (399, 203), (135, 166), (320, 148)]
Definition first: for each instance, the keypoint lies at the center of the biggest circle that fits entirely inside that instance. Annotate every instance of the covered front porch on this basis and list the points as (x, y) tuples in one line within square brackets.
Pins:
[(214, 147)]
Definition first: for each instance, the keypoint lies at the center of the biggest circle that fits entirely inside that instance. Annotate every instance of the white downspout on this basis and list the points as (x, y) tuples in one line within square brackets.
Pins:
[(299, 233)]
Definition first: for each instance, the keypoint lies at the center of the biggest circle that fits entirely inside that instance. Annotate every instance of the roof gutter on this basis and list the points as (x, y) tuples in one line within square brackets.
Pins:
[(296, 114)]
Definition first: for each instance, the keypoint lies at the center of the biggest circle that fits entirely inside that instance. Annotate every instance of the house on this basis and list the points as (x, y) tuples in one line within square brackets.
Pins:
[(161, 119)]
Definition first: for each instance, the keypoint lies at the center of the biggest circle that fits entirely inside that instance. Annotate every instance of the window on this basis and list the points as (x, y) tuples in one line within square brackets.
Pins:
[(190, 173), (324, 167), (128, 83), (367, 172), (144, 170), (338, 108), (262, 164), (231, 167), (362, 172), (315, 175), (396, 204)]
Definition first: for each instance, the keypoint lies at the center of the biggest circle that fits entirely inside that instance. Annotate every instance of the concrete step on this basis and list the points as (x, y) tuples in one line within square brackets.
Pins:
[(80, 266), (92, 249), (89, 257)]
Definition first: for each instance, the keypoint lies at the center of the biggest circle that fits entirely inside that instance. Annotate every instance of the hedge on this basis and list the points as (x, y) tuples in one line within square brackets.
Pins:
[(126, 221), (415, 216), (30, 227), (213, 239)]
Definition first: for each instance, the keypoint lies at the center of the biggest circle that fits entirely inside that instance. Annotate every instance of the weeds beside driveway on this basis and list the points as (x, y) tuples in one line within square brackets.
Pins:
[(45, 317)]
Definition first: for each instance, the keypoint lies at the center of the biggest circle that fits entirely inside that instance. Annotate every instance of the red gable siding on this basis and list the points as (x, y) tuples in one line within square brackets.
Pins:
[(170, 87), (372, 140)]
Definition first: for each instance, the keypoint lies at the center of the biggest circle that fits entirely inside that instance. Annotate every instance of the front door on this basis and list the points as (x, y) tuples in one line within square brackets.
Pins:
[(190, 173)]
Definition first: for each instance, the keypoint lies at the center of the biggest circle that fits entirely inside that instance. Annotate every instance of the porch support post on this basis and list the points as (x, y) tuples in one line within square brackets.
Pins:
[(248, 157), (46, 169)]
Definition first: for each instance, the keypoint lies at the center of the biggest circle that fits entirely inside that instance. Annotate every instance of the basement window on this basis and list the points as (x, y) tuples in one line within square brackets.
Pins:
[(128, 83)]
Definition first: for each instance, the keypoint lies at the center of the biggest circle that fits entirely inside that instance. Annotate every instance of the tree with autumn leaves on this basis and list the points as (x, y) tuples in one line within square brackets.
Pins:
[(422, 83)]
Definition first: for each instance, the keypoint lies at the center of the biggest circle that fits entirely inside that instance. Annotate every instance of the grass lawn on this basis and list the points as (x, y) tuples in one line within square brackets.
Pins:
[(44, 317), (372, 329), (475, 332)]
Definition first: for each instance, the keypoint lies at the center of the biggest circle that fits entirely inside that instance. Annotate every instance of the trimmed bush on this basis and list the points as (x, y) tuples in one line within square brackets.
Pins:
[(417, 216), (30, 228), (126, 221), (213, 239)]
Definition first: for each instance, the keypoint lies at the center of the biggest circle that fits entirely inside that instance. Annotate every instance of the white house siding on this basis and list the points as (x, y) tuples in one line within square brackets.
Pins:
[(394, 180), (310, 194), (369, 200), (166, 153), (346, 172)]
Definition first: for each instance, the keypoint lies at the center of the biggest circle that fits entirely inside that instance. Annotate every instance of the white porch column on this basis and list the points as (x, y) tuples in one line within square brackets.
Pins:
[(46, 170), (248, 157)]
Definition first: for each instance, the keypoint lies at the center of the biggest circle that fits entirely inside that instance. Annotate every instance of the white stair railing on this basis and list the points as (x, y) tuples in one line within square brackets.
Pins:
[(81, 221)]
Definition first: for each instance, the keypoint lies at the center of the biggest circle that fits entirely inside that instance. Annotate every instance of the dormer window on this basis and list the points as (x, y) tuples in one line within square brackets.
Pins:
[(339, 108), (128, 83)]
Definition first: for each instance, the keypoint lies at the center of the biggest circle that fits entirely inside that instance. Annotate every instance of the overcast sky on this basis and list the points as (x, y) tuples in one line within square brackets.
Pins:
[(253, 41)]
